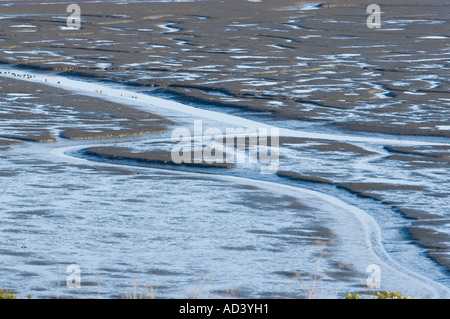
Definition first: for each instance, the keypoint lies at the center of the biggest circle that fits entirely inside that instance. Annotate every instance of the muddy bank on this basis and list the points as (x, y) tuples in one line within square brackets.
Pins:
[(409, 180), (283, 59), (274, 59), (34, 112), (5, 145), (152, 157)]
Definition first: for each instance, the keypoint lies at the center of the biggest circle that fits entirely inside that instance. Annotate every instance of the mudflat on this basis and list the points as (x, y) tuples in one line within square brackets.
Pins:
[(289, 63), (274, 57)]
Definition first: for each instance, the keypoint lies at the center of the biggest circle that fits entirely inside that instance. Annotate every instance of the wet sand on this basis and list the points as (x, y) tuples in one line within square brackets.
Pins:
[(269, 60), (271, 57), (152, 157), (36, 112)]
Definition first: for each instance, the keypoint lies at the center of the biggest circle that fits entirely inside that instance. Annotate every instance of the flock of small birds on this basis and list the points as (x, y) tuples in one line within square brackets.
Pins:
[(29, 76)]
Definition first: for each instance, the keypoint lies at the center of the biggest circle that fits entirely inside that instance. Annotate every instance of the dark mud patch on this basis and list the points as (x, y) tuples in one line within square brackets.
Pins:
[(404, 129), (303, 178), (266, 201), (342, 272), (164, 272), (240, 248), (313, 235), (15, 253), (426, 152), (87, 134), (8, 143), (32, 135), (372, 190), (152, 157), (436, 243), (341, 147), (7, 174)]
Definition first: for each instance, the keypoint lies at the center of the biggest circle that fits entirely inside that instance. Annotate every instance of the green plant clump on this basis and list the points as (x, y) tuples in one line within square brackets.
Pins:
[(381, 295), (391, 295), (350, 296), (7, 295)]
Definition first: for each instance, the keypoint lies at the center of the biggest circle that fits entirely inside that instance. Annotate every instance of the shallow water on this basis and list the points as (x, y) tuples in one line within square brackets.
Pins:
[(362, 178), (222, 232)]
